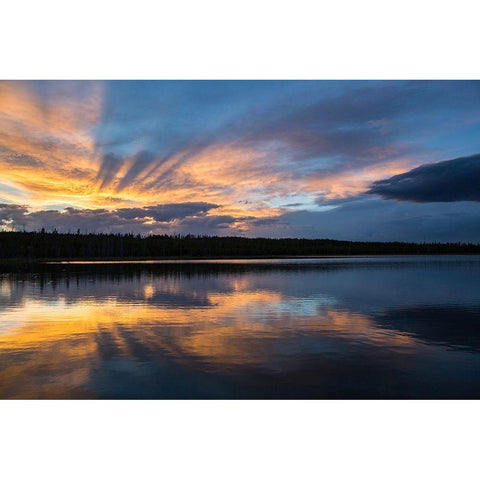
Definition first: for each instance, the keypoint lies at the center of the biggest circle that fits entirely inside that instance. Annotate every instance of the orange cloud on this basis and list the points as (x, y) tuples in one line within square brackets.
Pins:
[(354, 181), (45, 146), (48, 156)]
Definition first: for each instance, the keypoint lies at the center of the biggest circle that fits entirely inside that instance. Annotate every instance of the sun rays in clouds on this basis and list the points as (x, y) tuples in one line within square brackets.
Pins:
[(263, 154)]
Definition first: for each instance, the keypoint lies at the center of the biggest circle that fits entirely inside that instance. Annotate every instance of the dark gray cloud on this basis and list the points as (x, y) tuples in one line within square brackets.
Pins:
[(449, 181), (365, 219), (210, 223), (266, 221), (11, 213), (167, 212), (188, 217)]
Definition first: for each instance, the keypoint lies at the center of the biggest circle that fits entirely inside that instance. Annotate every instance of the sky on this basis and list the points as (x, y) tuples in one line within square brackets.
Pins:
[(352, 160)]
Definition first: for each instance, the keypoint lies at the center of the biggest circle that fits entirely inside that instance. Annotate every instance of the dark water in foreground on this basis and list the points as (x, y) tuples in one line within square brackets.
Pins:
[(391, 327)]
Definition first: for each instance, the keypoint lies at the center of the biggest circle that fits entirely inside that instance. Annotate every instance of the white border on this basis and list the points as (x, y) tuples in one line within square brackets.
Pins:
[(242, 40), (218, 39), (239, 439)]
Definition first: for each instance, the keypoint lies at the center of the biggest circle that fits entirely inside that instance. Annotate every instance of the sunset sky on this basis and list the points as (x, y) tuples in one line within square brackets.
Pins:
[(355, 160)]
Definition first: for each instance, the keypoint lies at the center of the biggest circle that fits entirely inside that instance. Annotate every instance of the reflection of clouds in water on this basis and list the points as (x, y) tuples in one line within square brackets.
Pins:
[(5, 289), (248, 329), (454, 326), (304, 306), (364, 284), (149, 291), (87, 334)]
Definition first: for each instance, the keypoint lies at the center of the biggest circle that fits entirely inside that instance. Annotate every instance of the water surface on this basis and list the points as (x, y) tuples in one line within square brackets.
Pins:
[(364, 327)]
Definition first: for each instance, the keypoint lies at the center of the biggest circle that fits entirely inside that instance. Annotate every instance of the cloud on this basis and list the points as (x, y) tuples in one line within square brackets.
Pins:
[(366, 219), (302, 133), (11, 215), (211, 223), (255, 148), (109, 166), (449, 181), (375, 219), (188, 217), (167, 212)]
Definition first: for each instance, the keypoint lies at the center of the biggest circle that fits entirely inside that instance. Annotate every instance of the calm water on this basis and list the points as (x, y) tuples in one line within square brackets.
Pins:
[(390, 327)]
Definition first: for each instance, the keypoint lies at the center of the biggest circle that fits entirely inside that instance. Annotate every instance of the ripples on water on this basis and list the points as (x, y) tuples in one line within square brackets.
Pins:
[(391, 327)]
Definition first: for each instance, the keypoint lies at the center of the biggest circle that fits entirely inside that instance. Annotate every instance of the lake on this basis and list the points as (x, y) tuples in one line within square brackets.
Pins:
[(331, 328)]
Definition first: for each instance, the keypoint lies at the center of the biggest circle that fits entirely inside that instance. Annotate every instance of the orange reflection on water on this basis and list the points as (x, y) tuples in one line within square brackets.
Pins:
[(60, 346)]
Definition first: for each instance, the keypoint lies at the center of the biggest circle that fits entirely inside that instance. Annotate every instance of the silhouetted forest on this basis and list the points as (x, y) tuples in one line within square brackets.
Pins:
[(46, 245)]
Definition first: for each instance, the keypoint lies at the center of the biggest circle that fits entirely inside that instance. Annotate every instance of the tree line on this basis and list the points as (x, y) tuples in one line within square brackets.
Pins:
[(54, 245)]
